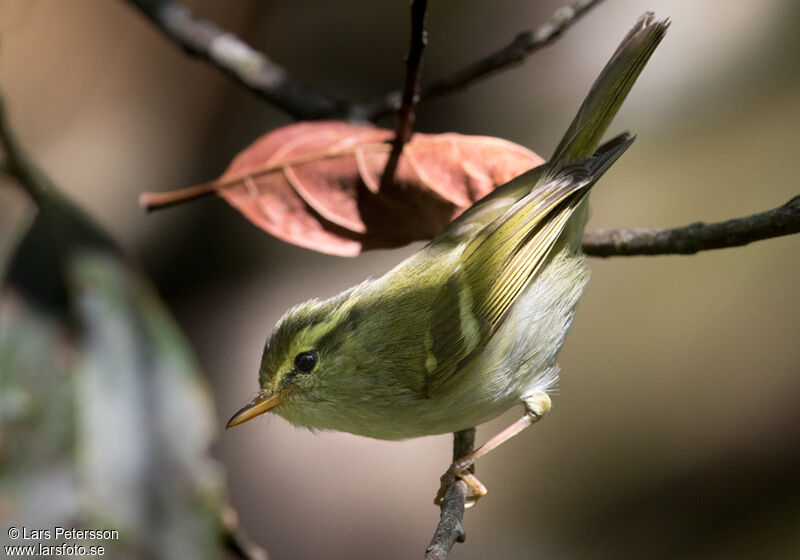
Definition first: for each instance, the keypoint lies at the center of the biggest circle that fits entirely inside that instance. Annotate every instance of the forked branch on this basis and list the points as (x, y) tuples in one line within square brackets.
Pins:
[(522, 46), (271, 81)]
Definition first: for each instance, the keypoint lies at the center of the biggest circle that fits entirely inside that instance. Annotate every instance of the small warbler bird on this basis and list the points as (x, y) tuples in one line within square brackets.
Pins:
[(471, 324)]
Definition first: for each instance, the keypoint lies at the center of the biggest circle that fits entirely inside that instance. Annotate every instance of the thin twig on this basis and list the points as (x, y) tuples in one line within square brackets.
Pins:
[(523, 45), (687, 240), (449, 531), (406, 113), (249, 67)]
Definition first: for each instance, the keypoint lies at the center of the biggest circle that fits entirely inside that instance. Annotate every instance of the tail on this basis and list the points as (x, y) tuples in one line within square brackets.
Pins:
[(583, 135), (607, 94), (527, 217), (499, 261)]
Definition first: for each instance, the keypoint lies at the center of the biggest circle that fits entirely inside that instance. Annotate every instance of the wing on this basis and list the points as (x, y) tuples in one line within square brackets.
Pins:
[(513, 231), (500, 261)]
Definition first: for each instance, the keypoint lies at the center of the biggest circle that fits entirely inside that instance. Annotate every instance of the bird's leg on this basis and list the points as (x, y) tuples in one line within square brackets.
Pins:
[(536, 406)]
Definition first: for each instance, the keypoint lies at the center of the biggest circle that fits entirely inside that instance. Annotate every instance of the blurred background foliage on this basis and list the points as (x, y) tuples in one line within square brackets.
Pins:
[(676, 430), (96, 382)]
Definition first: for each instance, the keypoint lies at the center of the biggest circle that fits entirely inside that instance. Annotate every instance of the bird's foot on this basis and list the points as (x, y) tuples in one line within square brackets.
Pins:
[(460, 470), (536, 404)]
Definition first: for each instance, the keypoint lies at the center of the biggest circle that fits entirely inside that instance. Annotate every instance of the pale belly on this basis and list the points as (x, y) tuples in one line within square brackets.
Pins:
[(519, 360)]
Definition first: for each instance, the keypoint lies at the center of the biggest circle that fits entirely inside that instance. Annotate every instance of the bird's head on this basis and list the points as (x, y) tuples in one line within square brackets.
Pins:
[(303, 358)]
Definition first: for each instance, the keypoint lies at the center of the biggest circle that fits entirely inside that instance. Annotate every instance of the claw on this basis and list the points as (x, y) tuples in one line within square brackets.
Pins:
[(476, 489), (460, 471)]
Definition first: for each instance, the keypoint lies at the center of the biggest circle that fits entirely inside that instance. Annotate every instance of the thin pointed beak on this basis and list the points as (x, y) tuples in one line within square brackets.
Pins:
[(259, 405)]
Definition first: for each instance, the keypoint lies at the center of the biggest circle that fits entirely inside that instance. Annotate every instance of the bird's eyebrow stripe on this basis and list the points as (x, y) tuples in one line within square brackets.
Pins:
[(344, 317)]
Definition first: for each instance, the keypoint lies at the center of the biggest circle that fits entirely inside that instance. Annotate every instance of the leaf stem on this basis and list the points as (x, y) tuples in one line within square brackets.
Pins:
[(150, 201)]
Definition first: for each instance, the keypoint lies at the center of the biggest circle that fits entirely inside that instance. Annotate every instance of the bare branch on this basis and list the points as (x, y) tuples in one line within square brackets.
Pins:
[(249, 67), (523, 45), (449, 531), (406, 113), (687, 240)]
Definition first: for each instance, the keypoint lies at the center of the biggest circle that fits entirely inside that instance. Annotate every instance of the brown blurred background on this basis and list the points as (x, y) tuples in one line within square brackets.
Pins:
[(677, 427)]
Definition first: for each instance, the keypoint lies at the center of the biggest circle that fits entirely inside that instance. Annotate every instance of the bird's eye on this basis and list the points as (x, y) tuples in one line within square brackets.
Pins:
[(304, 362)]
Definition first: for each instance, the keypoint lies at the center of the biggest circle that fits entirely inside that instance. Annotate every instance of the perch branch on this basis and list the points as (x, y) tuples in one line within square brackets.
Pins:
[(408, 104), (247, 66), (523, 45), (449, 531), (687, 240)]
